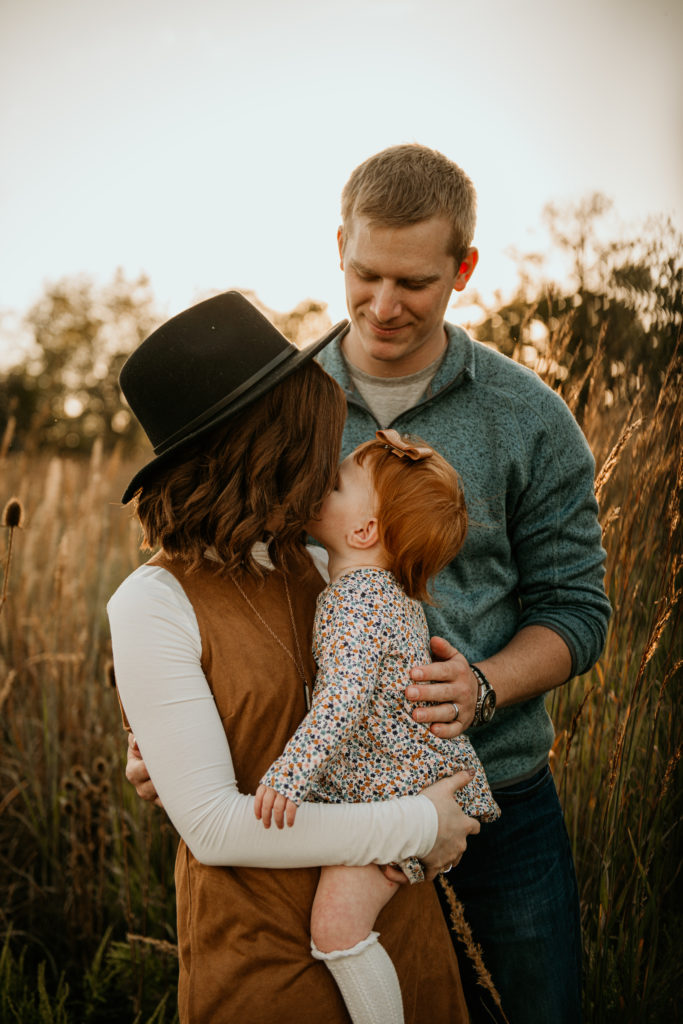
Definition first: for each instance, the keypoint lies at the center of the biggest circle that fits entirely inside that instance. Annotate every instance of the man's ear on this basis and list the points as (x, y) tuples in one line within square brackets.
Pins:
[(364, 536), (466, 268), (340, 244)]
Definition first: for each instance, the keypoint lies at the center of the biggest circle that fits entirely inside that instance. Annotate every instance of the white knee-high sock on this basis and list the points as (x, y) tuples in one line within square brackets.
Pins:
[(367, 980)]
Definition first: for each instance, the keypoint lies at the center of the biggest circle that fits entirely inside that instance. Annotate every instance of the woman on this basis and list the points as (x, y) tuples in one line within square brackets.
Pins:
[(211, 642)]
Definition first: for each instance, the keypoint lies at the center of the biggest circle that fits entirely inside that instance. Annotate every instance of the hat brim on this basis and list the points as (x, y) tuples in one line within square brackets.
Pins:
[(283, 370)]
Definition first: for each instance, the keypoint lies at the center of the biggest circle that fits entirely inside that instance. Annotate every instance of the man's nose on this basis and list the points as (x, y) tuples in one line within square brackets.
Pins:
[(385, 303)]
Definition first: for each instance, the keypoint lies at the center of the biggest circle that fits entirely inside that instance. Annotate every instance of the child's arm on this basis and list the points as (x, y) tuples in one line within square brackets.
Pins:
[(348, 645)]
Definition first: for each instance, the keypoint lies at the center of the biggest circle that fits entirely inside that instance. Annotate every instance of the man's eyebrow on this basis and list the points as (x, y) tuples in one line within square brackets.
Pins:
[(369, 272)]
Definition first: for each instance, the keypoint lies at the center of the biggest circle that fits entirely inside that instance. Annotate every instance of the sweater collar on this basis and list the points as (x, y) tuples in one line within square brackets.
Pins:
[(458, 364)]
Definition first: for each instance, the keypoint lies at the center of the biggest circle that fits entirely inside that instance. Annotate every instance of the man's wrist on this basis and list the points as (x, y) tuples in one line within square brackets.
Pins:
[(486, 698)]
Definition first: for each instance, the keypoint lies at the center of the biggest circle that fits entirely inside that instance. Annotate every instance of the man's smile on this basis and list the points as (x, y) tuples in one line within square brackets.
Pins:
[(384, 331)]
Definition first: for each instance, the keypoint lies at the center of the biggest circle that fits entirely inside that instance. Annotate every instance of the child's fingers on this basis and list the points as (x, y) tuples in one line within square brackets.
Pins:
[(279, 810), (267, 805), (290, 813), (270, 807)]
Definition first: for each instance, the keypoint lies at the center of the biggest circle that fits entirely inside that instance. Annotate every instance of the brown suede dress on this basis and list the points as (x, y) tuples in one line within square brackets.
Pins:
[(244, 933)]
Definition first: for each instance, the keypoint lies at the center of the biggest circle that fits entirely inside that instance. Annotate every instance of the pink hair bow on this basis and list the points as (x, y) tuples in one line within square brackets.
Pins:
[(393, 440)]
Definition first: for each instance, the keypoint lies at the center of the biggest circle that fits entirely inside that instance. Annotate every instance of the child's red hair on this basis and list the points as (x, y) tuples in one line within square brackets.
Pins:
[(422, 518)]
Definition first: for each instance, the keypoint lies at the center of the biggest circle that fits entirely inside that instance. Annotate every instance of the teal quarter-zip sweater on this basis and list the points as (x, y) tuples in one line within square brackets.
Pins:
[(533, 553)]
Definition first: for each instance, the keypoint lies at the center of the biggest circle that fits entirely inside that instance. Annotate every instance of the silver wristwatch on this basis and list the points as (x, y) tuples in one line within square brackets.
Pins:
[(486, 699)]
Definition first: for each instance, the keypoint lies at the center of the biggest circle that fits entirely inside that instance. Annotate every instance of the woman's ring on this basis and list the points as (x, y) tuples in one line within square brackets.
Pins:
[(456, 711), (444, 871)]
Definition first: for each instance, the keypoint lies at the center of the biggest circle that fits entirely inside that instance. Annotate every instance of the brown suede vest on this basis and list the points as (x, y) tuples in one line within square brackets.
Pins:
[(244, 933)]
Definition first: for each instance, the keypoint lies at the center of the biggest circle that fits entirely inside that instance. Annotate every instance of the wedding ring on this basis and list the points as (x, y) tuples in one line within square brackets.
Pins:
[(445, 870), (456, 711)]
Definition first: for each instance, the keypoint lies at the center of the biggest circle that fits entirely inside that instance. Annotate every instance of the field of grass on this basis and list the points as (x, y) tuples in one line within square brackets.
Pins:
[(86, 870)]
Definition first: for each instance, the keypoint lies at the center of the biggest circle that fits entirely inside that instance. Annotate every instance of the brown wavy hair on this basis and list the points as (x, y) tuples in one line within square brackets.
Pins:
[(260, 475), (421, 513)]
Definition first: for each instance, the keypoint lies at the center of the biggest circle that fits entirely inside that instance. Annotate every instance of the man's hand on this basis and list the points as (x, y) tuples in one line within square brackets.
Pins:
[(269, 803), (454, 825), (454, 686), (137, 774)]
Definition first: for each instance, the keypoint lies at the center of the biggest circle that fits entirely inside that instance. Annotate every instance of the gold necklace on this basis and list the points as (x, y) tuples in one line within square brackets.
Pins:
[(298, 661)]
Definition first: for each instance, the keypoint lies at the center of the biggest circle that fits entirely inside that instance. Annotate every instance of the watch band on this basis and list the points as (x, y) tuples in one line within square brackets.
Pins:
[(481, 678), (485, 694)]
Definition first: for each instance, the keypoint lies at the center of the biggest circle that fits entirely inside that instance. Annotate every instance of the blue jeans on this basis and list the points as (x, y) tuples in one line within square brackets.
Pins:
[(518, 887)]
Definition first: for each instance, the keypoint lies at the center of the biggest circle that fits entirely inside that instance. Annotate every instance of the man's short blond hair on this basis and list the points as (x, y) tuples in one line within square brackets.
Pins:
[(407, 184)]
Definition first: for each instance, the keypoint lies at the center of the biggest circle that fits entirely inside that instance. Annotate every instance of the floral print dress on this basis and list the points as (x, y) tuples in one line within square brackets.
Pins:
[(359, 742)]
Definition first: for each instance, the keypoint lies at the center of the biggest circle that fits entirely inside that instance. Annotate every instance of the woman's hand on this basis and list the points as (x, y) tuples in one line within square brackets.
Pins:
[(137, 774), (268, 802), (454, 825), (450, 684)]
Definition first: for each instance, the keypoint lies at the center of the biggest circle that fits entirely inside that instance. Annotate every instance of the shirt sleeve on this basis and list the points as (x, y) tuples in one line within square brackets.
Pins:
[(557, 538), (347, 643), (169, 704)]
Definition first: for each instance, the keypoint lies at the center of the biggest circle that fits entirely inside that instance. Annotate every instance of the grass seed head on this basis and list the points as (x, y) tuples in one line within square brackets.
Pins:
[(13, 513)]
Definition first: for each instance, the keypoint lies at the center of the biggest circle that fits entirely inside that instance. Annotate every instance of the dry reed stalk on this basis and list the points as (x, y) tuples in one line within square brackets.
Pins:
[(7, 687), (615, 760), (572, 727), (12, 516), (670, 770), (160, 944), (594, 370), (473, 950), (613, 516), (12, 795), (671, 674), (614, 456), (591, 375), (55, 659), (664, 613), (673, 509), (7, 437)]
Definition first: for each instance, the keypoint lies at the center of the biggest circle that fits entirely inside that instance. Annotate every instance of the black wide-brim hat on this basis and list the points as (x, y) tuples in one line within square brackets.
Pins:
[(202, 366)]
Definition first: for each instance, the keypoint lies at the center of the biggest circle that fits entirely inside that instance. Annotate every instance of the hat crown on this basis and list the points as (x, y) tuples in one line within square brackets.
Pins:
[(197, 364), (203, 366)]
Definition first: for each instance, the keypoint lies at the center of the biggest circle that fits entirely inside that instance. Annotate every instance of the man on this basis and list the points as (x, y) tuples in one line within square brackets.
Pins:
[(524, 602), (522, 609)]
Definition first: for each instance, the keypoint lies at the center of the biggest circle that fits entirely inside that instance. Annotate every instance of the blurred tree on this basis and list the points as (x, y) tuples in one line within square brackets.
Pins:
[(625, 296), (307, 321), (65, 391)]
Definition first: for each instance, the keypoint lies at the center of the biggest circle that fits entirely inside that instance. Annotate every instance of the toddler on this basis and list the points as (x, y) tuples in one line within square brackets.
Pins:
[(395, 518)]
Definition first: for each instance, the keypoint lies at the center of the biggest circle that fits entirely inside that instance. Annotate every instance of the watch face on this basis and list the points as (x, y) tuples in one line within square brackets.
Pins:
[(488, 706)]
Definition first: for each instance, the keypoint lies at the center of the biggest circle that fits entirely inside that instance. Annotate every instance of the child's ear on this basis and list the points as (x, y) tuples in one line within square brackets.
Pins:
[(364, 536)]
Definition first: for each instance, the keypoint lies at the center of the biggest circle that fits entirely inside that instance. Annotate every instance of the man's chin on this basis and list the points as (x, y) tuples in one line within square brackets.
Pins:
[(385, 349)]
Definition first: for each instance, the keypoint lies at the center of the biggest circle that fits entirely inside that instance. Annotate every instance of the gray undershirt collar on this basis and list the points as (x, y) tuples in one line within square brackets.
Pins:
[(388, 397)]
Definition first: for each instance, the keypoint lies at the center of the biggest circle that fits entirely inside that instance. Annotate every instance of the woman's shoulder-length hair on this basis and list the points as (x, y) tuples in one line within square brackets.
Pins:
[(260, 475)]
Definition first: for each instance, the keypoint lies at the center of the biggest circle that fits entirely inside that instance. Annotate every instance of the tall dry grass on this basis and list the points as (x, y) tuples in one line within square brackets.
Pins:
[(619, 728), (83, 865), (87, 909)]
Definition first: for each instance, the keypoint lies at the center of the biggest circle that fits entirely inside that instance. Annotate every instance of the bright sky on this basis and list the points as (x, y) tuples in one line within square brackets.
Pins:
[(207, 143)]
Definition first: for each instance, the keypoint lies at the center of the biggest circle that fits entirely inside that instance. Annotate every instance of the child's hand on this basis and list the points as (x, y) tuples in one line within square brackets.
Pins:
[(268, 802)]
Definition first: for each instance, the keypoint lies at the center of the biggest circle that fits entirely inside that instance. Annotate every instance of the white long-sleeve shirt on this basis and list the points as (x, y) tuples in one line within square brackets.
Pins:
[(168, 702)]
